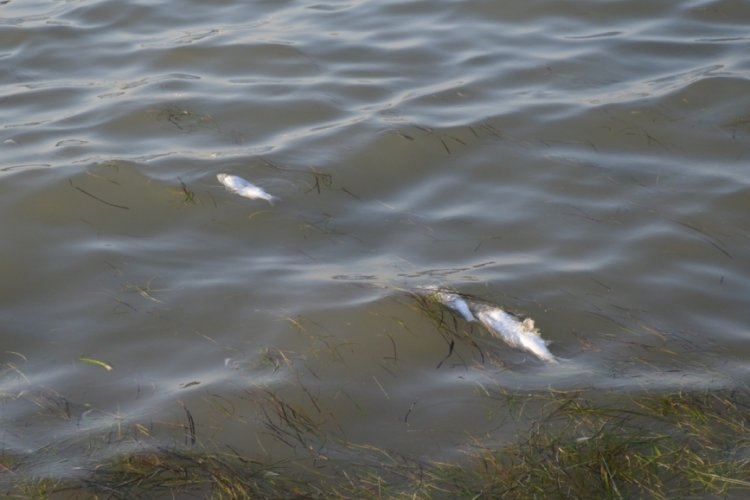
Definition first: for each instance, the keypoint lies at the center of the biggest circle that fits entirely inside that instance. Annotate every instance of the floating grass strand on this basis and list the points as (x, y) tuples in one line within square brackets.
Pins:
[(80, 189), (96, 362)]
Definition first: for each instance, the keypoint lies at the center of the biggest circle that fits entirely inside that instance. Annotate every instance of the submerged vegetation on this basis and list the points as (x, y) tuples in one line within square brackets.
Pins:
[(565, 444), (653, 446), (645, 446)]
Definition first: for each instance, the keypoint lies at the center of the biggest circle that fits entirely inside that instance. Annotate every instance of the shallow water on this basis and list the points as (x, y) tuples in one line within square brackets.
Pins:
[(581, 163)]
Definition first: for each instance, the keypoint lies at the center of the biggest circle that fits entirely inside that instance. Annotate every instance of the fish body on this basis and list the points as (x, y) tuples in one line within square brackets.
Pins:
[(455, 302), (514, 331), (452, 301), (245, 188)]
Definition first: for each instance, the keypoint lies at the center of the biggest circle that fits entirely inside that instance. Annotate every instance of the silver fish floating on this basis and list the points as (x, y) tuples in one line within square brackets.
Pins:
[(453, 301), (514, 331), (242, 187)]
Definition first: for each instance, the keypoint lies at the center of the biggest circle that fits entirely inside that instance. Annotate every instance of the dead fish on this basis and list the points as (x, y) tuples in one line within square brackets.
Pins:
[(242, 187), (514, 331), (453, 301)]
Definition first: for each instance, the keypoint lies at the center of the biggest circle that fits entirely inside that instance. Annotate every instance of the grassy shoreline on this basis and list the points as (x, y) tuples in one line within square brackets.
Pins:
[(666, 445)]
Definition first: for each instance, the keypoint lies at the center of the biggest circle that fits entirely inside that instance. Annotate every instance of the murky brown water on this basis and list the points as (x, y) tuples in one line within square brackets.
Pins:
[(582, 163)]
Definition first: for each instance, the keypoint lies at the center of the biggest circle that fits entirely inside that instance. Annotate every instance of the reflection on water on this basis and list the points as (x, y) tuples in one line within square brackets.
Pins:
[(584, 165)]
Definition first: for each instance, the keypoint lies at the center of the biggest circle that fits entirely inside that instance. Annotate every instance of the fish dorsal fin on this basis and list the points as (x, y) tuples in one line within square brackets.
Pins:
[(528, 323)]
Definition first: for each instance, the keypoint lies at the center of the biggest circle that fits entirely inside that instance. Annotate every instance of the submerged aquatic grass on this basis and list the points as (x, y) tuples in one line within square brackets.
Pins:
[(648, 445)]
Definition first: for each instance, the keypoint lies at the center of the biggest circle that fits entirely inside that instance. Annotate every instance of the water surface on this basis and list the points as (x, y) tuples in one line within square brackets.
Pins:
[(581, 163)]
